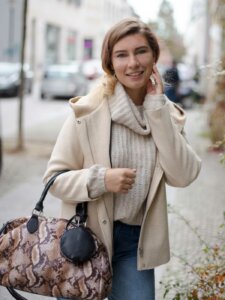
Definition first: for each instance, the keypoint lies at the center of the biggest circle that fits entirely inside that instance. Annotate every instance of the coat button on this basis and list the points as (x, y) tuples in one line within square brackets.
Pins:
[(78, 121), (141, 252), (104, 222)]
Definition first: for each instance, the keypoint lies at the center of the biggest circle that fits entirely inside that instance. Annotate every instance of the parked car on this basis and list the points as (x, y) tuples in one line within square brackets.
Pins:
[(10, 79), (63, 81)]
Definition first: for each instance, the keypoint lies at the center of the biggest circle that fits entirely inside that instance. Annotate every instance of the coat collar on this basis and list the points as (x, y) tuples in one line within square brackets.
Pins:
[(95, 121)]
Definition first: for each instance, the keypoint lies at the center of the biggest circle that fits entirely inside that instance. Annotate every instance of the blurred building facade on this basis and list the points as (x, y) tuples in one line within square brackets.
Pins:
[(204, 41), (58, 31), (10, 31)]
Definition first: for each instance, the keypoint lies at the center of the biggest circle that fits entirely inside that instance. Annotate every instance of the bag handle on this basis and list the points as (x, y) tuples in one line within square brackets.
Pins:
[(80, 211), (39, 205), (81, 208), (16, 295)]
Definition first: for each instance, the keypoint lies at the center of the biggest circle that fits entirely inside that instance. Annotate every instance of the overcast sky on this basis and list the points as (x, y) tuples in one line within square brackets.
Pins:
[(148, 9)]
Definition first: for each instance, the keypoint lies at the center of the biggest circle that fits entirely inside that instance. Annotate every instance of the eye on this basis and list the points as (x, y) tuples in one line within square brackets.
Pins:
[(142, 50), (121, 55)]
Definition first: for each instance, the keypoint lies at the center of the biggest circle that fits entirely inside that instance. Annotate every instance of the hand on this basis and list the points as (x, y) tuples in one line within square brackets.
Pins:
[(119, 180), (155, 87)]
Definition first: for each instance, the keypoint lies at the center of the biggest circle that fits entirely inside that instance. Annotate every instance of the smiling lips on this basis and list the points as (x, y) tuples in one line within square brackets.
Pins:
[(135, 74)]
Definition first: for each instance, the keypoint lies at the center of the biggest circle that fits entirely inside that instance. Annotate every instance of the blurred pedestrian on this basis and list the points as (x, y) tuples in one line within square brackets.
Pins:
[(172, 81), (122, 143)]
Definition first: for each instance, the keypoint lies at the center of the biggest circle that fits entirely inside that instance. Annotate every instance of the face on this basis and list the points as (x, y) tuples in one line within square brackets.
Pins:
[(132, 61)]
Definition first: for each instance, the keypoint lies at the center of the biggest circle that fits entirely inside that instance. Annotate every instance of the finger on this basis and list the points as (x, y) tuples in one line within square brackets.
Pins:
[(158, 81), (129, 181), (124, 191), (126, 186), (155, 69), (130, 174), (156, 77)]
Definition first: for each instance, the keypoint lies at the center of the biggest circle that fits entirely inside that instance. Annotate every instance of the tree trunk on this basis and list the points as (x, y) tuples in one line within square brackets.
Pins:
[(20, 140)]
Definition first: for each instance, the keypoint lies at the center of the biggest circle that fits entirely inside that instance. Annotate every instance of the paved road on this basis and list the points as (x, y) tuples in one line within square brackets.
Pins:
[(202, 202)]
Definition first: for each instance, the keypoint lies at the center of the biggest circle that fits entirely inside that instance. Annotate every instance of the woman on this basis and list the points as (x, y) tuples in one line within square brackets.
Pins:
[(122, 143)]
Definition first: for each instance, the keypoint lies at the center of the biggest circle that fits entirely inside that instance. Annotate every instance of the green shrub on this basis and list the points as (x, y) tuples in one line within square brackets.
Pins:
[(203, 278)]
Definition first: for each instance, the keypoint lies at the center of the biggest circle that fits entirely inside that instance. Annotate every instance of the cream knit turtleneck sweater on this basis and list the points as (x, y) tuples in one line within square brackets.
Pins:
[(131, 147)]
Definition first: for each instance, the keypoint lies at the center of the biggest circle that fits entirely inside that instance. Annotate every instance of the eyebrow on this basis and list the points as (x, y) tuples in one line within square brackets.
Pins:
[(138, 48)]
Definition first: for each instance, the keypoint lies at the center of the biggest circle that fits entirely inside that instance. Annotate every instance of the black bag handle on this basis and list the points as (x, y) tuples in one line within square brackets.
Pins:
[(39, 205), (16, 295), (32, 224), (81, 208), (80, 211)]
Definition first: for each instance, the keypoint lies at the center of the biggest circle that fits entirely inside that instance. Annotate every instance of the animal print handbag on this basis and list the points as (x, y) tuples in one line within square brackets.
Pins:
[(54, 257)]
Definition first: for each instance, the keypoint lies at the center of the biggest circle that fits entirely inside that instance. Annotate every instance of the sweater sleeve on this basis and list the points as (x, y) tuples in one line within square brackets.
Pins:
[(96, 181), (153, 102)]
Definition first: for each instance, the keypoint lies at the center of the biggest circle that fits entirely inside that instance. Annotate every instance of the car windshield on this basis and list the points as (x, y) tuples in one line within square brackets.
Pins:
[(7, 69), (59, 74)]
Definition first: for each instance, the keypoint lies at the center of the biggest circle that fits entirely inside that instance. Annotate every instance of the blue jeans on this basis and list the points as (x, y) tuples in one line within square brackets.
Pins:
[(128, 282)]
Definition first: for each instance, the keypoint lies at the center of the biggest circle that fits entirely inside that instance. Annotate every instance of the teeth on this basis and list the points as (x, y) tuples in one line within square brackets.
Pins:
[(135, 74)]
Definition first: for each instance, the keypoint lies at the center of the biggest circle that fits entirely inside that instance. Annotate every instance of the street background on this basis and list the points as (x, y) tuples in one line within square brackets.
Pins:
[(66, 36), (21, 179)]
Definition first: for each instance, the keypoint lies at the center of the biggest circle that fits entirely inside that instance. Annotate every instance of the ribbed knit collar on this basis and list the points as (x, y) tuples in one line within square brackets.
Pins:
[(125, 112)]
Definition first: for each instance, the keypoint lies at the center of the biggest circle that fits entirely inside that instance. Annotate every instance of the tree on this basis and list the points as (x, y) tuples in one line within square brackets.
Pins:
[(166, 30), (20, 140), (217, 114)]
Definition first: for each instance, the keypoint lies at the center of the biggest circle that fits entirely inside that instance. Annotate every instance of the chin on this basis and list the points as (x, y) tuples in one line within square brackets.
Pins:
[(136, 85)]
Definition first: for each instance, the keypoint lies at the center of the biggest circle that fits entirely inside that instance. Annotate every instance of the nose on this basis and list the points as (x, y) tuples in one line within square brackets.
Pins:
[(133, 61)]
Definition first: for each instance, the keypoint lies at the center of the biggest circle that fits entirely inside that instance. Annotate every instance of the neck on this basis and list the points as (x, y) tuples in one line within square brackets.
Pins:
[(137, 96)]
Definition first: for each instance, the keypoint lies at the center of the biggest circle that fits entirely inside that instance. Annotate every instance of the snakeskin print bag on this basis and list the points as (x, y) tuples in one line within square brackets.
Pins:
[(54, 257)]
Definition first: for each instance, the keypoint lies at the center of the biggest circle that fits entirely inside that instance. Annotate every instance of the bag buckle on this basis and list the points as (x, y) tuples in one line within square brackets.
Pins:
[(37, 213)]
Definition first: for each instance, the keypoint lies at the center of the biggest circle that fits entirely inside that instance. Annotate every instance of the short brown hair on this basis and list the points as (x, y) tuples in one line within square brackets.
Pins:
[(124, 28)]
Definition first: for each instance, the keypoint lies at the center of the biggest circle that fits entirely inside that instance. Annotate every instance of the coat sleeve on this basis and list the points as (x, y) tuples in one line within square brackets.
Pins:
[(180, 163), (67, 154)]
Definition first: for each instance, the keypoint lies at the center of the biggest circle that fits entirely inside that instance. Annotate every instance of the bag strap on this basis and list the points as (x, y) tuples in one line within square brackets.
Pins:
[(16, 295)]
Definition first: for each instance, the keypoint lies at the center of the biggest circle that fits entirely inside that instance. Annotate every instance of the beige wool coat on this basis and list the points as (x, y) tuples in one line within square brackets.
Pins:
[(84, 140)]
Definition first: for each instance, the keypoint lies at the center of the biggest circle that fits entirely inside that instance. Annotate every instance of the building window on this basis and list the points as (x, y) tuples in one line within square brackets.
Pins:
[(71, 45), (77, 2), (52, 44), (88, 48)]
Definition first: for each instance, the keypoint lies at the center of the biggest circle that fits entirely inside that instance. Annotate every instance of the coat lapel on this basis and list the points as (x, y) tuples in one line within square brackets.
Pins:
[(98, 128)]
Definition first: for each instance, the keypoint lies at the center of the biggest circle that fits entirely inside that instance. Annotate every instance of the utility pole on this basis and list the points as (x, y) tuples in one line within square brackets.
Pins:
[(20, 140)]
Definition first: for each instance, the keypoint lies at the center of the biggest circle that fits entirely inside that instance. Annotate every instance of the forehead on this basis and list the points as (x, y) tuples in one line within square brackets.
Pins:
[(131, 41)]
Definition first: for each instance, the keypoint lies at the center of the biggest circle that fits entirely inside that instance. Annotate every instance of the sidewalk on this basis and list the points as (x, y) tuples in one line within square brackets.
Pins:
[(202, 202)]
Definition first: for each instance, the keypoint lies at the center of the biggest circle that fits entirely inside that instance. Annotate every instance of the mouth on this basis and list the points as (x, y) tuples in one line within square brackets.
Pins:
[(135, 74)]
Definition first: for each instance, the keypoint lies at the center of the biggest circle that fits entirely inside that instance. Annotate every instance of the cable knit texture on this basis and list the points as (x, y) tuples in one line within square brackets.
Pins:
[(131, 147)]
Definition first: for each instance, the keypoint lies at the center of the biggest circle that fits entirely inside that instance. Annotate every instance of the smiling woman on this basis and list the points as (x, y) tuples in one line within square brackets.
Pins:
[(123, 143)]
